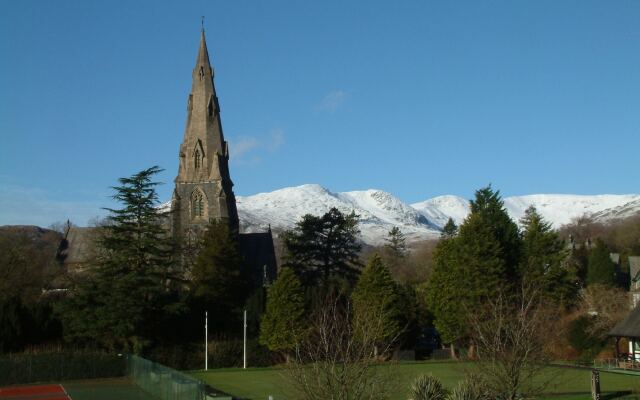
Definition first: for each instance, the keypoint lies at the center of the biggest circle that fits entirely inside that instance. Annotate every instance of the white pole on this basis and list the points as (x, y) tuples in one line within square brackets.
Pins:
[(206, 340), (244, 364)]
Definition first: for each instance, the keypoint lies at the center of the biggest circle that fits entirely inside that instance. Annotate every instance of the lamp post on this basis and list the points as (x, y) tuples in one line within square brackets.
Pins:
[(206, 340), (244, 363)]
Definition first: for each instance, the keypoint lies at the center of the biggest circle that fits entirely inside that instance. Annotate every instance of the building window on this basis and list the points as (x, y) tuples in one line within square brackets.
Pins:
[(197, 204), (196, 159)]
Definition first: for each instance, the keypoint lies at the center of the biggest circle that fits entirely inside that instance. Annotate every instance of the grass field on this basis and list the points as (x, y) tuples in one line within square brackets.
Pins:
[(259, 383)]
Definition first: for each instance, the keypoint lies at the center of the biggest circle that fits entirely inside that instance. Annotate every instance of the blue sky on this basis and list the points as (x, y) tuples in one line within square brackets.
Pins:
[(417, 98)]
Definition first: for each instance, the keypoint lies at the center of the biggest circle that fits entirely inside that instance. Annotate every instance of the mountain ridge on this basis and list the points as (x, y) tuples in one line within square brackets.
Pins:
[(380, 211)]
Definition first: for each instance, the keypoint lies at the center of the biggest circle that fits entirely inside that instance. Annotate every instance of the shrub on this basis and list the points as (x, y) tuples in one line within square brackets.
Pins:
[(426, 387), (471, 388), (580, 339)]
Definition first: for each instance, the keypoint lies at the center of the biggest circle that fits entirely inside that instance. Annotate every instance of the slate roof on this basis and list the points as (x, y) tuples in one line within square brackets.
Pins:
[(77, 246), (628, 327), (257, 250)]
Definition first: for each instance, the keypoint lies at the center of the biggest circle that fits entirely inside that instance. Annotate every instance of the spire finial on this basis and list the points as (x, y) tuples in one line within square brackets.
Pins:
[(202, 23)]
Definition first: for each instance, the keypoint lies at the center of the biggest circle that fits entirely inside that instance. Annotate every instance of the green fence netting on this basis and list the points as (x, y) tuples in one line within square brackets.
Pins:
[(59, 366), (163, 382)]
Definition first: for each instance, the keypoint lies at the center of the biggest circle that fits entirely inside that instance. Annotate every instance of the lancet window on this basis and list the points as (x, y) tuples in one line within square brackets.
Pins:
[(197, 204)]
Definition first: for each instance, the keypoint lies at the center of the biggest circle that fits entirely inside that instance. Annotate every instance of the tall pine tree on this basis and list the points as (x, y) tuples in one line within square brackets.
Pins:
[(283, 324), (600, 268), (220, 280), (481, 260), (324, 249), (377, 302), (543, 259), (396, 243), (125, 295)]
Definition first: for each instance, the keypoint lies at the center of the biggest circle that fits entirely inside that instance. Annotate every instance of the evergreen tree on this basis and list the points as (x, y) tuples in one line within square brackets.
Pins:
[(543, 256), (125, 295), (377, 302), (444, 291), (221, 283), (283, 323), (322, 249), (450, 229), (396, 243), (600, 268), (488, 205), (474, 265)]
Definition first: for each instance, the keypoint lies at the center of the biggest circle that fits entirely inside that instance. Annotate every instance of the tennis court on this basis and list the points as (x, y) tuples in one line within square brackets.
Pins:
[(92, 389), (44, 392)]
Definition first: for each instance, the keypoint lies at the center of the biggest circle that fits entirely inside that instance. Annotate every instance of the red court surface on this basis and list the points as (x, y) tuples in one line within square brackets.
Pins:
[(40, 392)]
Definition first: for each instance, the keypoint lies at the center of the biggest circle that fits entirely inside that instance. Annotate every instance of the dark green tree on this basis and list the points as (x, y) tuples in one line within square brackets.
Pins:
[(283, 323), (474, 265), (543, 259), (600, 268), (125, 296), (377, 302), (220, 280), (450, 229), (322, 249), (396, 243), (488, 205)]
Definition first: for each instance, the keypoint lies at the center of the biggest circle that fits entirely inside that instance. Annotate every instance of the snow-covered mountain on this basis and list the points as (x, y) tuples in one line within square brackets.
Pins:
[(380, 211)]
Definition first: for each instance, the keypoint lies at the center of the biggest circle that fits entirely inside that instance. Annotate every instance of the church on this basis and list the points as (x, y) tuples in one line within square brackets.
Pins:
[(203, 187)]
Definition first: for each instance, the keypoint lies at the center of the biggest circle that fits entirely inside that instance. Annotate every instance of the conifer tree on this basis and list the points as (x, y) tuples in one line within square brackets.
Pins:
[(377, 302), (283, 324), (600, 268), (481, 260), (221, 283), (450, 229), (396, 243), (322, 249), (543, 257), (124, 296)]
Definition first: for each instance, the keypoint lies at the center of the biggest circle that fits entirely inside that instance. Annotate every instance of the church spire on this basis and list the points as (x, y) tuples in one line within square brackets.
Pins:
[(204, 189), (203, 54)]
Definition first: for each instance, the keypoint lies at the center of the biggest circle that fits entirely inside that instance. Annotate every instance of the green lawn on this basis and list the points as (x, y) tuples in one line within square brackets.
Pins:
[(259, 383)]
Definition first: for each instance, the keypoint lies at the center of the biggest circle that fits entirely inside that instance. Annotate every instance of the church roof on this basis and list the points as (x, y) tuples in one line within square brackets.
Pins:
[(259, 255)]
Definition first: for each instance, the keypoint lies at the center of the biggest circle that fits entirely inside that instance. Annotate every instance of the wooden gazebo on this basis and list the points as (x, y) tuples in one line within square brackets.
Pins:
[(628, 328)]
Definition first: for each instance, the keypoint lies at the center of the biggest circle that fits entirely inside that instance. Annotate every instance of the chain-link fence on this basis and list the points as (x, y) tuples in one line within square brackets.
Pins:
[(163, 382), (59, 366)]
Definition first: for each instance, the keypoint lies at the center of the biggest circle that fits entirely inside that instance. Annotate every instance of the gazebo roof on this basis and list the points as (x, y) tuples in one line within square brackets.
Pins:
[(628, 327)]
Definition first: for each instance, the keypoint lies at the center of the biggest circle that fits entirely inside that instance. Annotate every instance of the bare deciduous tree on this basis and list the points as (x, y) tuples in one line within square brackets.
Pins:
[(337, 360), (607, 306), (509, 334)]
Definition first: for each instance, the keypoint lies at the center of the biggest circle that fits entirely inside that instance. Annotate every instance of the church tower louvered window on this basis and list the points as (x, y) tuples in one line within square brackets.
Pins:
[(196, 159)]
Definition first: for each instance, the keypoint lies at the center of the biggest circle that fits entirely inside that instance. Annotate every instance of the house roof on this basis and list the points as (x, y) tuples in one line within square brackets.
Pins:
[(628, 327)]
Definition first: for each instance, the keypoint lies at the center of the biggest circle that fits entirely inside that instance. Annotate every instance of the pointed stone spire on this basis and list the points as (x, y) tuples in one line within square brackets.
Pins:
[(204, 189), (203, 54)]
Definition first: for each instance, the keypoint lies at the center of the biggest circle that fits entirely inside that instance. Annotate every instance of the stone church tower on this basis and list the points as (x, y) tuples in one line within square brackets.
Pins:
[(203, 187)]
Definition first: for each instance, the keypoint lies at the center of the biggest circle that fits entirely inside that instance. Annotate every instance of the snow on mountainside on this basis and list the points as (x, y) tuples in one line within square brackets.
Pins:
[(559, 209), (380, 211)]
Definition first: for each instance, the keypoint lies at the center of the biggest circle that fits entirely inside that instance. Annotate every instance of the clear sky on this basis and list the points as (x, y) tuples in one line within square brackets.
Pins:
[(418, 98)]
